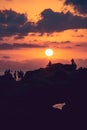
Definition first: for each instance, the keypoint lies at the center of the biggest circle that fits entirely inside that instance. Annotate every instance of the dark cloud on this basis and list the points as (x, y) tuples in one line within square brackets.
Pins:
[(55, 42), (76, 30), (7, 46), (55, 22), (65, 42), (35, 40), (78, 45), (1, 38), (82, 45), (68, 47), (6, 57), (79, 5), (19, 37), (13, 23), (33, 34), (79, 36), (61, 42)]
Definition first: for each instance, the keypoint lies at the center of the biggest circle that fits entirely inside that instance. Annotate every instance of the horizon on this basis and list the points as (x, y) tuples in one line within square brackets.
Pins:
[(28, 28), (32, 65)]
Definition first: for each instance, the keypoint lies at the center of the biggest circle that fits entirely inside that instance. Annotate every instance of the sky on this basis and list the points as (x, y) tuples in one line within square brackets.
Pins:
[(28, 28)]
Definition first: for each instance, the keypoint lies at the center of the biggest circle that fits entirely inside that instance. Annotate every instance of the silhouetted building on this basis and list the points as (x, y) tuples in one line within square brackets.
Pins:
[(59, 66), (49, 64)]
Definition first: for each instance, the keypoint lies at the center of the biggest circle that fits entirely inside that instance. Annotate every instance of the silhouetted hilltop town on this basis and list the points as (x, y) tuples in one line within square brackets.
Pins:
[(35, 94), (55, 74), (50, 70)]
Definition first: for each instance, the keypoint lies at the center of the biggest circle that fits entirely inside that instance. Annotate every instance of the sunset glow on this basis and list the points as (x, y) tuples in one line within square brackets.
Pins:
[(28, 28), (49, 52)]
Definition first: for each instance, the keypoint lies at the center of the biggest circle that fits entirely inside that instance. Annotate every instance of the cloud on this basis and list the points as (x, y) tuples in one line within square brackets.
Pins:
[(76, 30), (6, 57), (7, 46), (79, 36), (61, 42), (19, 37), (58, 21), (1, 38), (17, 24), (78, 45), (66, 42), (79, 5), (13, 23), (82, 45), (68, 47)]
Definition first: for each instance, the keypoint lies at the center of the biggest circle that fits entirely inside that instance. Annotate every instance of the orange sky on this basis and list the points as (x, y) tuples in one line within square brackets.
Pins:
[(31, 7), (66, 44)]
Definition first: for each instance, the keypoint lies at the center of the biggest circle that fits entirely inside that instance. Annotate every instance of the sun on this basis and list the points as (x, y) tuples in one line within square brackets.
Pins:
[(49, 52)]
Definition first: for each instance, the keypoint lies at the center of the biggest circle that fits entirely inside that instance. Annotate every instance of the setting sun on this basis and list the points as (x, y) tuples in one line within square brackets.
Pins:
[(49, 52)]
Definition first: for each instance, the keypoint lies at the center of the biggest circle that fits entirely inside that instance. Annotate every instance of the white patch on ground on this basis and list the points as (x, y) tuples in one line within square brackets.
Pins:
[(59, 106)]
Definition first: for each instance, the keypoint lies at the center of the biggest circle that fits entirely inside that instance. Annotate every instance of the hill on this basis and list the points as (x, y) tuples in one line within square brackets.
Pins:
[(34, 96)]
